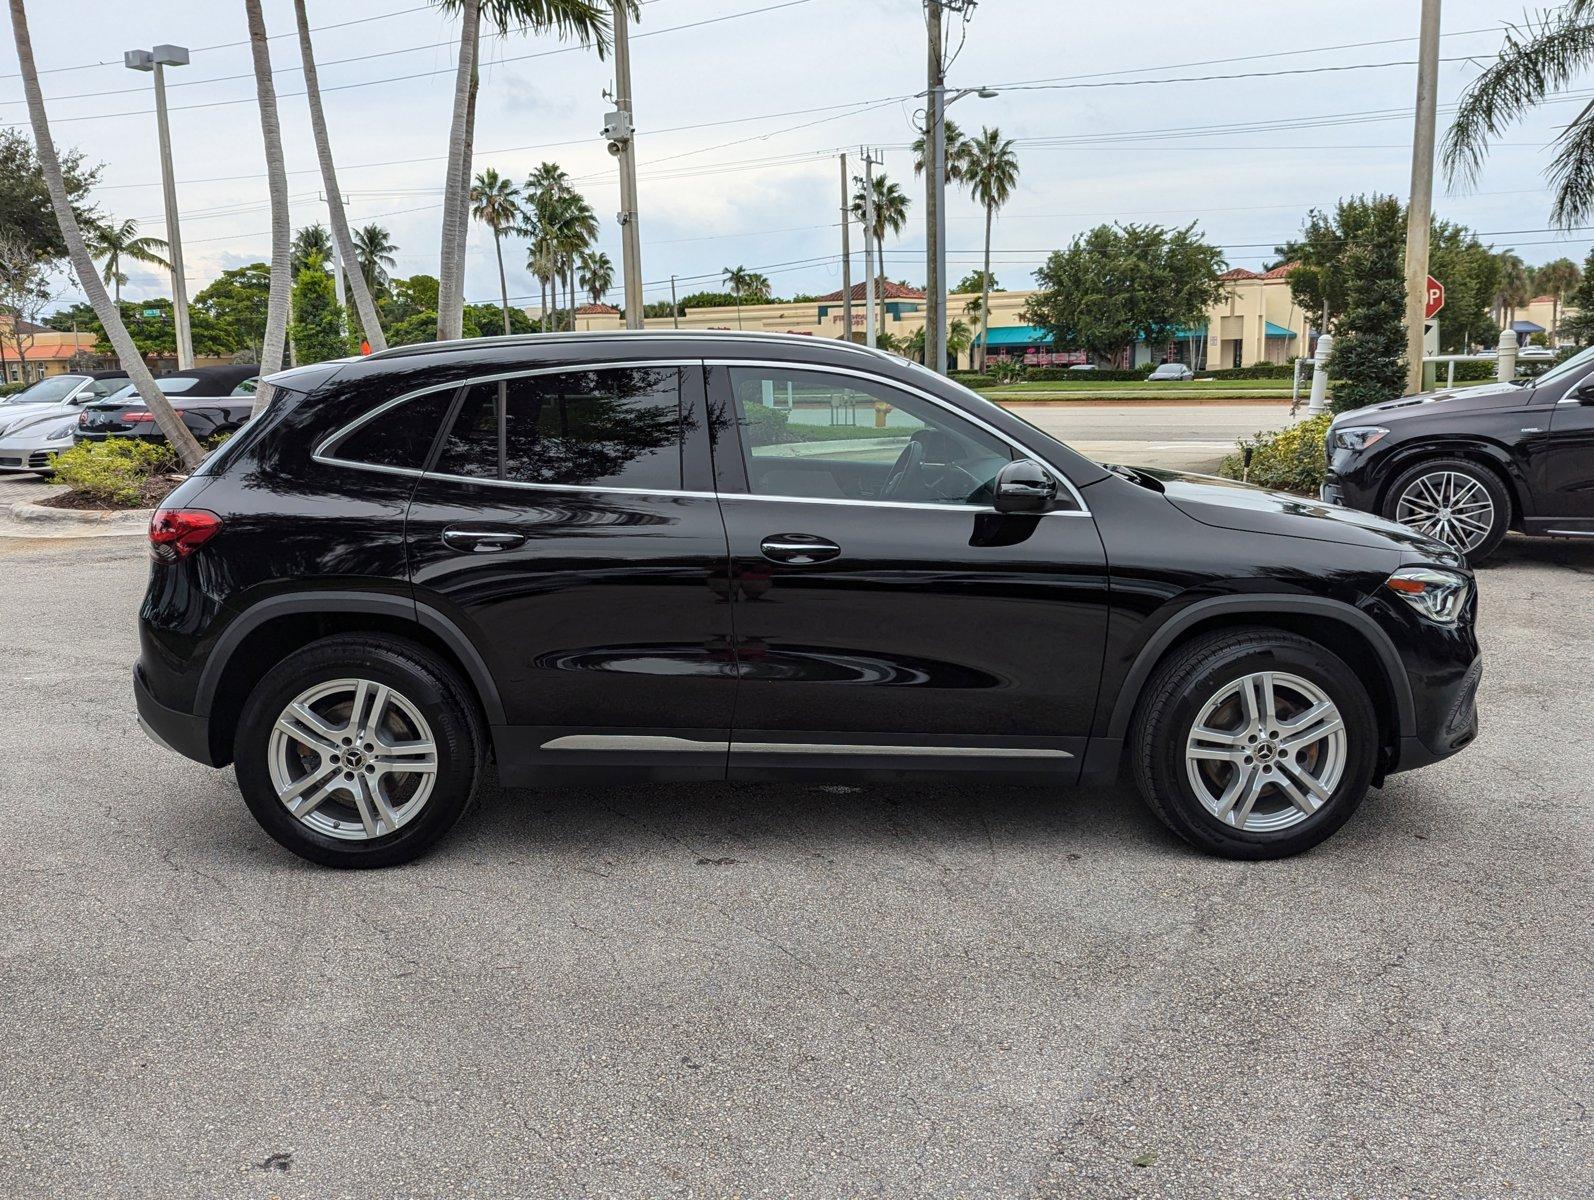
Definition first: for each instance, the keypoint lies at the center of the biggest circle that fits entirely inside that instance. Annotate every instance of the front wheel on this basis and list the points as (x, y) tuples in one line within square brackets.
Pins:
[(359, 751), (1254, 743), (1454, 501)]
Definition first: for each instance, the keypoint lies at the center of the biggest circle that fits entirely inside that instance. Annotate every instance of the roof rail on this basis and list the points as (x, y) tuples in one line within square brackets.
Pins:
[(529, 339)]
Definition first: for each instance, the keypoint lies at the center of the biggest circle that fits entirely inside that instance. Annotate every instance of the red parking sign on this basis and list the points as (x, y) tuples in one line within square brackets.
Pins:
[(1435, 300)]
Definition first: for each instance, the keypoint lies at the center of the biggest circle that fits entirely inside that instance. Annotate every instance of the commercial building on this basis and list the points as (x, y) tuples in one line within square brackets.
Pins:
[(1257, 321)]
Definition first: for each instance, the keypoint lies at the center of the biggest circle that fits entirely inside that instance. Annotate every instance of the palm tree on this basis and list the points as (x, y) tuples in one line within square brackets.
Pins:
[(957, 153), (542, 189), (1555, 279), (373, 254), (736, 278), (495, 202), (585, 20), (110, 316), (575, 226), (359, 284), (595, 274), (1538, 59), (115, 243), (991, 171), (1514, 288), (890, 213), (281, 288), (311, 242)]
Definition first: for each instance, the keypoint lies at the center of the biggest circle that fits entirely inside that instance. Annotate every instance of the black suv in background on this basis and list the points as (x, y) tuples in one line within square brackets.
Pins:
[(1469, 464), (711, 556)]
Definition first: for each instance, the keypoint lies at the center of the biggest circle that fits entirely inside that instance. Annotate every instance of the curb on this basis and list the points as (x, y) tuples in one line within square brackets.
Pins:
[(40, 514)]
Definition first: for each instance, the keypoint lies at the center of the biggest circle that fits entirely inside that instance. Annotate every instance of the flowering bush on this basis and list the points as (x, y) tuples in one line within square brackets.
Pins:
[(1287, 460)]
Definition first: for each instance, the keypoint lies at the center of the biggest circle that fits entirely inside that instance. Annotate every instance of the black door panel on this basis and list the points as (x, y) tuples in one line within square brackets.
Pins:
[(1568, 499)]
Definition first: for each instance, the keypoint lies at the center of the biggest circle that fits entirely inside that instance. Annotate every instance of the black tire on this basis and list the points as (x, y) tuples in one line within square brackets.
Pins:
[(417, 675), (1195, 673), (1485, 478)]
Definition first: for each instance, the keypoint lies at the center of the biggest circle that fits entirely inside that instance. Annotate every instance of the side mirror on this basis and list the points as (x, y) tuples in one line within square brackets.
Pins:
[(1024, 487)]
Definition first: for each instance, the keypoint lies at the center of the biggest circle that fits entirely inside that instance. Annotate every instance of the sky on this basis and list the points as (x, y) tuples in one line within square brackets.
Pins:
[(1235, 114)]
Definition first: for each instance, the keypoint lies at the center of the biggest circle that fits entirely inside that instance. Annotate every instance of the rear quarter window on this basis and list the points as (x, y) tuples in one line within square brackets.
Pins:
[(399, 437)]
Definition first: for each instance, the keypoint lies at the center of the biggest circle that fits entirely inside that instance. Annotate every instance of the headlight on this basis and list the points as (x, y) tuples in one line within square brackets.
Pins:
[(1437, 595), (1358, 437), (60, 435)]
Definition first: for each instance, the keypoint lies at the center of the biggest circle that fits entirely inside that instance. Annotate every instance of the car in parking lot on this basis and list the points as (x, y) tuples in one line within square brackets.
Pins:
[(710, 556), (33, 420), (212, 401), (29, 445), (1466, 465), (1171, 373)]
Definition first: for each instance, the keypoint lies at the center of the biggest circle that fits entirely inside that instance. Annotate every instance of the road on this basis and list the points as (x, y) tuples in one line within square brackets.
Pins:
[(1188, 437), (710, 991)]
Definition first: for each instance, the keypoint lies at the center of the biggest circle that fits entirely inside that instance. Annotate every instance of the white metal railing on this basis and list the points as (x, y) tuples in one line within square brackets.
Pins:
[(1506, 358)]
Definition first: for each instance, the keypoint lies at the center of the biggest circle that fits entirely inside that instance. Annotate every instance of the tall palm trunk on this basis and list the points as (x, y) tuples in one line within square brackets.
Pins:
[(880, 250), (503, 285), (281, 288), (110, 317), (358, 286), (985, 291), (456, 181), (464, 167)]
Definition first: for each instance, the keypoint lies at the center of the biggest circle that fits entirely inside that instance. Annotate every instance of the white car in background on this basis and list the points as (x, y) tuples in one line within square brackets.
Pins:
[(59, 393), (30, 444)]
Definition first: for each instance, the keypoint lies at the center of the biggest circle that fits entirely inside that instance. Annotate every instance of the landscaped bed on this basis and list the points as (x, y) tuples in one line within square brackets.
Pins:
[(115, 475)]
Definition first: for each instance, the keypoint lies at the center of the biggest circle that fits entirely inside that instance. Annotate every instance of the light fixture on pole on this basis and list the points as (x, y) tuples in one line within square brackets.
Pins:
[(935, 339), (619, 130), (156, 61)]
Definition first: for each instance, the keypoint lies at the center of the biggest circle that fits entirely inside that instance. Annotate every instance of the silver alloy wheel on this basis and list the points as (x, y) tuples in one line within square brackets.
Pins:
[(352, 759), (1447, 505), (1266, 752)]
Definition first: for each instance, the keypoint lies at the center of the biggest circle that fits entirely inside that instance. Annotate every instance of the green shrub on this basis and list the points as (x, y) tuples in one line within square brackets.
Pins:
[(1288, 460), (11, 389), (114, 471), (1009, 370), (1257, 371)]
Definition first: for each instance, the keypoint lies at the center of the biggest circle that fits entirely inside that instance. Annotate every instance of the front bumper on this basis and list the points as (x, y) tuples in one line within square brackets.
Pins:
[(25, 454), (182, 732)]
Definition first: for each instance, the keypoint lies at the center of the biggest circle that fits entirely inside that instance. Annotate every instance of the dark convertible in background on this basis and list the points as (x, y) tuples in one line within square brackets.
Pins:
[(211, 401)]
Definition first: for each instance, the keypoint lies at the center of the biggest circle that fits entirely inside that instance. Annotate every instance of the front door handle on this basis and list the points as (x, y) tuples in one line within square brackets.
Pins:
[(798, 549), (481, 541)]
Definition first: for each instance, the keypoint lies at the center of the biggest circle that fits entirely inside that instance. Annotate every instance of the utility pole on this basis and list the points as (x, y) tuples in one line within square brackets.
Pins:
[(621, 133), (1419, 211), (846, 255), (156, 61), (868, 249), (675, 309), (935, 196)]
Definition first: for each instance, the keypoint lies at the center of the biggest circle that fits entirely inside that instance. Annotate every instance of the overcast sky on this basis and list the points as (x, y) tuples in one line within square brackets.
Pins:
[(742, 106)]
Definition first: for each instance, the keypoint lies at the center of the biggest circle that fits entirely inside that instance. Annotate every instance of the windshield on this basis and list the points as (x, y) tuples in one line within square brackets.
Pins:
[(47, 391), (169, 385), (1579, 362)]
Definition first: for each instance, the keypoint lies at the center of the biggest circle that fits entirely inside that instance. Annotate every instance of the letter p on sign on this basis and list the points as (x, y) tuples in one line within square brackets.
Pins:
[(1435, 299)]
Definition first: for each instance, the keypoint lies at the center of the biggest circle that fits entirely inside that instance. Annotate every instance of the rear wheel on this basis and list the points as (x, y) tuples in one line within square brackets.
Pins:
[(1254, 743), (1455, 501), (359, 751)]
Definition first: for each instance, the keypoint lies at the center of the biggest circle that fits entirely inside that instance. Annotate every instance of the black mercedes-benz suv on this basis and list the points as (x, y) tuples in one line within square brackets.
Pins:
[(712, 556), (1466, 465)]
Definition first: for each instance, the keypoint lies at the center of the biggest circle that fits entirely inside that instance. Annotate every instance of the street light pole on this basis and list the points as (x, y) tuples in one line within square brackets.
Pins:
[(675, 309), (630, 232), (156, 61), (935, 336), (846, 256), (868, 249), (1419, 211)]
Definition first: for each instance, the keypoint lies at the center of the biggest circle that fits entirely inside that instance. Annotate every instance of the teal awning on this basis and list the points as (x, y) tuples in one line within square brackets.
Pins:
[(1279, 331), (1018, 335)]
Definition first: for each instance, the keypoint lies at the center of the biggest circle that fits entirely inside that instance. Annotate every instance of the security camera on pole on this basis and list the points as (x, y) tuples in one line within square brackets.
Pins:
[(156, 61), (620, 132)]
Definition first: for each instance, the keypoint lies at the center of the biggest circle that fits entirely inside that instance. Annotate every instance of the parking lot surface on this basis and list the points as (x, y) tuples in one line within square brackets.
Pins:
[(706, 991)]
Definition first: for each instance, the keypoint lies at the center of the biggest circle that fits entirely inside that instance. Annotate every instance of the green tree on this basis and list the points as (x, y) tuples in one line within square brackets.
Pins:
[(1118, 284), (235, 305), (1369, 360), (977, 281), (890, 216), (736, 278), (990, 168), (1557, 279), (406, 297), (373, 252), (313, 241), (317, 328), (118, 243), (25, 209), (1538, 59), (1470, 272), (1514, 286), (1577, 326), (957, 153), (495, 202), (595, 273)]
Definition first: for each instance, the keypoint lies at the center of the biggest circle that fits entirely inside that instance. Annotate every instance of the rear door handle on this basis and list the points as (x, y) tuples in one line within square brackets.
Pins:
[(798, 549), (481, 541)]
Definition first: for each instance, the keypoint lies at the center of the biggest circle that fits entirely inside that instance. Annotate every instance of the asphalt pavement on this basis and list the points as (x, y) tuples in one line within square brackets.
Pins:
[(1187, 437), (779, 991)]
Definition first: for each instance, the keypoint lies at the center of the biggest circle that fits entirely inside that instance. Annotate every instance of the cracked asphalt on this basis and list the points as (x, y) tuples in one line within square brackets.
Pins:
[(706, 991)]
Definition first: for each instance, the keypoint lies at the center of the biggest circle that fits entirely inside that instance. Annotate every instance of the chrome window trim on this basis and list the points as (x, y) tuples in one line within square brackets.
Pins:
[(1024, 450)]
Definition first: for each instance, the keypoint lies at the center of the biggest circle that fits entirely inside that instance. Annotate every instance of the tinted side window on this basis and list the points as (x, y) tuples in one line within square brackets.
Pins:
[(401, 436), (609, 427)]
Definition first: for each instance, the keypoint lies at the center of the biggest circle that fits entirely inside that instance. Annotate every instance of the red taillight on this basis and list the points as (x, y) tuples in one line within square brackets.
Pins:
[(82, 418), (137, 417), (176, 533)]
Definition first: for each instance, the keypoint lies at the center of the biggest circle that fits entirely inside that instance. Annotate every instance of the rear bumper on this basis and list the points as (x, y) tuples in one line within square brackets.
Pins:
[(181, 732)]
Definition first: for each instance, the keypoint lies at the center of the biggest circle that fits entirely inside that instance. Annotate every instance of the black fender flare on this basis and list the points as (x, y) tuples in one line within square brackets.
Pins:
[(374, 603), (1175, 626)]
